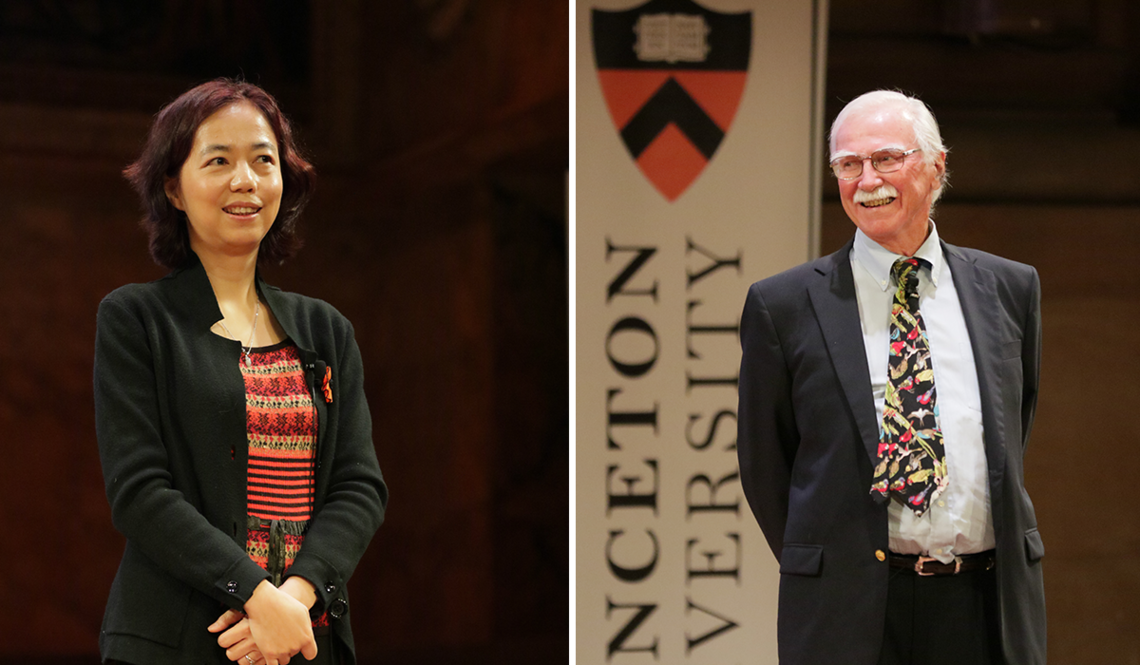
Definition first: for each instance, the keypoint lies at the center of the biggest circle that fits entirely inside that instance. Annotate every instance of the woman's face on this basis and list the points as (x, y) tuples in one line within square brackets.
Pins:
[(230, 184)]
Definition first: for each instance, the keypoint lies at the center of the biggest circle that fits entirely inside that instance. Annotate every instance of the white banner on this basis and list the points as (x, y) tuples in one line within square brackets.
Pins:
[(699, 146)]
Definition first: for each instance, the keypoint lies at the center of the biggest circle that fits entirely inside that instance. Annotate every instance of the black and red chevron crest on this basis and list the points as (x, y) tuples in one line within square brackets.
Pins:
[(672, 73)]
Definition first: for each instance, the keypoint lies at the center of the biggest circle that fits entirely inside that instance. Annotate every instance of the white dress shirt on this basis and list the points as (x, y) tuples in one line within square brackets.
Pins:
[(959, 521)]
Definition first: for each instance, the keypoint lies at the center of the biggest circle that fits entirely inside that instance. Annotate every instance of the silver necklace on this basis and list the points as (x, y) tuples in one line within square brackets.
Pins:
[(246, 349)]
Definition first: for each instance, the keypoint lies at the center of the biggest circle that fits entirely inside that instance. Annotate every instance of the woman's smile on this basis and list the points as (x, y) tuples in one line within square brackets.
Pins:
[(230, 185)]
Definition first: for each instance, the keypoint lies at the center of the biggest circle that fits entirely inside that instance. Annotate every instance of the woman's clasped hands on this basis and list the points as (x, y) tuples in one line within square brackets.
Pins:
[(274, 627)]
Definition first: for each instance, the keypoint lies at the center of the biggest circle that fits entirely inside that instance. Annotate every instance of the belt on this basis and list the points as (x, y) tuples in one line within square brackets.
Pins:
[(927, 565), (291, 527), (275, 565)]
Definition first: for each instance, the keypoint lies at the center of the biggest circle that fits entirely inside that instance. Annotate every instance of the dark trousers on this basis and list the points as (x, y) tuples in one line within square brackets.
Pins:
[(942, 620)]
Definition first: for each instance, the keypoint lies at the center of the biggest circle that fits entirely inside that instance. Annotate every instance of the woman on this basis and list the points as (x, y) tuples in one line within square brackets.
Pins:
[(233, 430)]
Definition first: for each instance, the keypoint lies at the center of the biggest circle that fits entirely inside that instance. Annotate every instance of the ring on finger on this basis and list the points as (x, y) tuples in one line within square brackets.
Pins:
[(248, 659)]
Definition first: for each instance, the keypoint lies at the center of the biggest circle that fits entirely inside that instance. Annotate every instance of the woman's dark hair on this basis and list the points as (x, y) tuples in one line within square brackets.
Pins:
[(167, 147)]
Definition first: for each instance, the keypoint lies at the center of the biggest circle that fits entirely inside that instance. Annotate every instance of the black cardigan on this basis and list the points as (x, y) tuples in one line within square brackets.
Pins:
[(170, 420)]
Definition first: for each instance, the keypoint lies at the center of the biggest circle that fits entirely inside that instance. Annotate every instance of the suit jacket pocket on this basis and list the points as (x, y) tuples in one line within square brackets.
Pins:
[(801, 559), (1034, 548)]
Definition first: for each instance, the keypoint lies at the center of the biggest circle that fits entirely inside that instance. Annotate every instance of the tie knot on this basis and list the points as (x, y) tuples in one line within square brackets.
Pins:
[(906, 272)]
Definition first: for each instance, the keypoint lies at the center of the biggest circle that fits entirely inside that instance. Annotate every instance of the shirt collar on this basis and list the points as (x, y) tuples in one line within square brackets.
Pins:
[(877, 260)]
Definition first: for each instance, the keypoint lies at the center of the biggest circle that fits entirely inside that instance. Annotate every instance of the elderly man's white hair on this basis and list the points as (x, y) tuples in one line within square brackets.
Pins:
[(926, 132)]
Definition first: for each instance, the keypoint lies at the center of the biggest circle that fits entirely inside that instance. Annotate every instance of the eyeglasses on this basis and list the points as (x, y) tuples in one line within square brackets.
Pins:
[(849, 167)]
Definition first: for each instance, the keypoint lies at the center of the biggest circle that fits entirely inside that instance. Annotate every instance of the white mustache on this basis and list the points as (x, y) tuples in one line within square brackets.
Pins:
[(884, 191)]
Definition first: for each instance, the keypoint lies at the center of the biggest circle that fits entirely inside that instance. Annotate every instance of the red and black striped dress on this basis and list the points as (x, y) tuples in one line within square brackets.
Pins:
[(281, 426)]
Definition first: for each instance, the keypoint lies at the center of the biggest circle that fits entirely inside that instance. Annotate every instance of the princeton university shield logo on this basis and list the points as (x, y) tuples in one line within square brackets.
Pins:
[(672, 73)]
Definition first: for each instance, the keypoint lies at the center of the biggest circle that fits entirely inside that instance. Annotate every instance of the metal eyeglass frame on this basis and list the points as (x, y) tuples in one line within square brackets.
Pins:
[(874, 165)]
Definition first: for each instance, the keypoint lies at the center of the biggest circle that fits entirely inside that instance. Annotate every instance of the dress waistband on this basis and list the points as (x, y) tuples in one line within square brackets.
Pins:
[(275, 559)]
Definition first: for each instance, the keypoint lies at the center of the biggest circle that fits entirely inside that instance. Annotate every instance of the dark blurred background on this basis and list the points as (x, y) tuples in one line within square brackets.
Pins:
[(439, 129), (1039, 103)]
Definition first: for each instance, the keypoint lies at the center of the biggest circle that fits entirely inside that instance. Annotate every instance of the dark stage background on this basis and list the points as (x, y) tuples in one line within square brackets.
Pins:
[(439, 129)]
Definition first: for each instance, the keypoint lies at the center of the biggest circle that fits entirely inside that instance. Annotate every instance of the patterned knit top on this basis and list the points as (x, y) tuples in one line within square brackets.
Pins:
[(281, 426)]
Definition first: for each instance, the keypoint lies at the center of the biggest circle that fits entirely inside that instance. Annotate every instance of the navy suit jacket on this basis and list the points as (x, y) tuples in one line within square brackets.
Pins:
[(808, 435)]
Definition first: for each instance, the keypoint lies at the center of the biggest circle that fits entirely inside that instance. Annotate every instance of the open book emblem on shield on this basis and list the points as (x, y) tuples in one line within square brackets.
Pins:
[(672, 73)]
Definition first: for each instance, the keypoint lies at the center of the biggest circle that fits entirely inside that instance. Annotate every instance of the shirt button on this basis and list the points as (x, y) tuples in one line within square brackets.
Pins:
[(232, 586), (880, 555), (941, 503), (938, 551)]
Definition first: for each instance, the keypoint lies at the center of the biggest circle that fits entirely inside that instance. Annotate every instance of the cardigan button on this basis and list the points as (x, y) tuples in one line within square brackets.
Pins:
[(880, 555), (232, 586), (330, 588), (337, 608)]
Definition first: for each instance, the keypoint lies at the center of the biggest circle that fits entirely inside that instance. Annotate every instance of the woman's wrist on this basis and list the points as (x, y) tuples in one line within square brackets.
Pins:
[(301, 589), (258, 598)]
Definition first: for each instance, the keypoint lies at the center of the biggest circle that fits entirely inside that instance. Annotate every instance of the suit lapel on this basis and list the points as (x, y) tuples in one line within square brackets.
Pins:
[(977, 294), (836, 309)]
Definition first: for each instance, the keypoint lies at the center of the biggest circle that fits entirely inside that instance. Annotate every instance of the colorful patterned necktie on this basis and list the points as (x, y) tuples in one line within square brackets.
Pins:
[(911, 463)]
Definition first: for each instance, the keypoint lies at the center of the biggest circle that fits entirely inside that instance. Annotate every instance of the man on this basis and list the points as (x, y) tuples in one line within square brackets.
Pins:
[(884, 412)]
